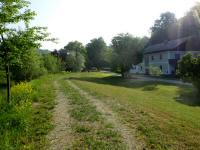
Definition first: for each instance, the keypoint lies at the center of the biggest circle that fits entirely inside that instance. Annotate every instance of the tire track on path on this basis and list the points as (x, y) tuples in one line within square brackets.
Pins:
[(60, 138), (111, 117)]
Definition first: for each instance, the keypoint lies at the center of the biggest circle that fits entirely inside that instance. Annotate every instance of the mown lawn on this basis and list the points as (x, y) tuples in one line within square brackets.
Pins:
[(166, 116)]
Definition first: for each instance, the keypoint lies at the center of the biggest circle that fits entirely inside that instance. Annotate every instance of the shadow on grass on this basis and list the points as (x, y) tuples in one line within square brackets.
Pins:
[(119, 81), (188, 96)]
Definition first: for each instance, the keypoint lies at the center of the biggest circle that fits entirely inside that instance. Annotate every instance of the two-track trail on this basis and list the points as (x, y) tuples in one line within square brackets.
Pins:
[(61, 136), (111, 117)]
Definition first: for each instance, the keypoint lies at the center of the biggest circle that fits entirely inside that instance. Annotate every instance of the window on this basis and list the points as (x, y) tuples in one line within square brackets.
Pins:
[(152, 57), (161, 56), (177, 56)]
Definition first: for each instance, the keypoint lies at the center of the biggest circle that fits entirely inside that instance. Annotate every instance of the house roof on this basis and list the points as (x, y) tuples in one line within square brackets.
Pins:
[(167, 45)]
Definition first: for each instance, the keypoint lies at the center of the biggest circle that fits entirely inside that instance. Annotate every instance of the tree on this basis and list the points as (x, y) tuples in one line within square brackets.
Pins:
[(13, 41), (29, 66), (127, 50), (188, 69), (159, 31), (189, 25), (51, 63), (96, 50), (73, 55)]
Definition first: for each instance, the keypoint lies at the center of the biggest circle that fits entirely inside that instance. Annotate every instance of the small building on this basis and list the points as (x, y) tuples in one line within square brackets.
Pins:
[(166, 55), (138, 69)]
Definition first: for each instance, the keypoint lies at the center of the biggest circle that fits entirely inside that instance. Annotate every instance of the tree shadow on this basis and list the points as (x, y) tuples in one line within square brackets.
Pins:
[(188, 96), (152, 87), (119, 81)]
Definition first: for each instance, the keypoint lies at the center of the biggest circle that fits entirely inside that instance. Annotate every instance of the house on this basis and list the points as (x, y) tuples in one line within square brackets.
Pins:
[(138, 69), (166, 55)]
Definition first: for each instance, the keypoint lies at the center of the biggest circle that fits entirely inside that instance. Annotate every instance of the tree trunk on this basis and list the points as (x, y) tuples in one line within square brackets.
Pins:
[(123, 74), (8, 82)]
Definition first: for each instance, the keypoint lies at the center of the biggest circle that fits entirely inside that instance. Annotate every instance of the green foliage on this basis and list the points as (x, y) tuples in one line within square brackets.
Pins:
[(15, 118), (25, 122), (11, 13), (167, 27), (14, 42), (73, 56), (2, 77), (97, 54), (188, 69), (75, 62), (159, 32), (127, 50), (51, 63), (155, 71), (29, 66)]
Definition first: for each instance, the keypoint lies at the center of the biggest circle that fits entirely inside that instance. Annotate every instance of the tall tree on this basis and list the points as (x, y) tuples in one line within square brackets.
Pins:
[(14, 42), (96, 49), (159, 31), (189, 25), (73, 55), (127, 50)]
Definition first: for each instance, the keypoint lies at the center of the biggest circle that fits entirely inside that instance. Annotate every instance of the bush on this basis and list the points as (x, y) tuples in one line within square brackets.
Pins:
[(51, 63), (28, 67), (15, 118), (153, 70), (189, 70)]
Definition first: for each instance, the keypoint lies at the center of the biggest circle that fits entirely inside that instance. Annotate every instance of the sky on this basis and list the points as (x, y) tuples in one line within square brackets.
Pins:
[(83, 20)]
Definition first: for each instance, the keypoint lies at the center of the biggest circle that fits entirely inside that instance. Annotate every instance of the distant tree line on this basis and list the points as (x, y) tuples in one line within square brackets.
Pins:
[(124, 51), (168, 27)]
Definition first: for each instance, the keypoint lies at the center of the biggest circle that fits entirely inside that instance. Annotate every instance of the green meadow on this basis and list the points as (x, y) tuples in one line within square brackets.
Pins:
[(160, 115)]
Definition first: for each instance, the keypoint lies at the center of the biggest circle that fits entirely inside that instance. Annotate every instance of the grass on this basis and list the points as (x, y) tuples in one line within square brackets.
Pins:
[(166, 116), (25, 123), (43, 104), (89, 127)]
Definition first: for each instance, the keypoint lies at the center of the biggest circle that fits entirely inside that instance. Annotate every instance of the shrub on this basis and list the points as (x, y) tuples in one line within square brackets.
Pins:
[(153, 70), (28, 67), (188, 70), (51, 63), (15, 118)]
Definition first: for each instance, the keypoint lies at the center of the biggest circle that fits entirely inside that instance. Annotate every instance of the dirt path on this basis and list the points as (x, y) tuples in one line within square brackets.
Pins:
[(60, 137), (111, 117)]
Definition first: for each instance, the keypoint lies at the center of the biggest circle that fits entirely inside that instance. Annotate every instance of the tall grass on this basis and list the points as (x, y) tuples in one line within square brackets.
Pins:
[(25, 122), (15, 118)]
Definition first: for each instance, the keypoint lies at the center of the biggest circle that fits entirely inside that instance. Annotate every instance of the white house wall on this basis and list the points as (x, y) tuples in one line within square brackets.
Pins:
[(160, 59), (164, 62)]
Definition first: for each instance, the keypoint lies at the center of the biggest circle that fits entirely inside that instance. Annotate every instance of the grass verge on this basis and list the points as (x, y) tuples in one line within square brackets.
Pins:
[(25, 123)]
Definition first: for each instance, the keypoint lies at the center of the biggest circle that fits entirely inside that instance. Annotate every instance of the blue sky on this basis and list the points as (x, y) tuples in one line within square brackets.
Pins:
[(83, 20)]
